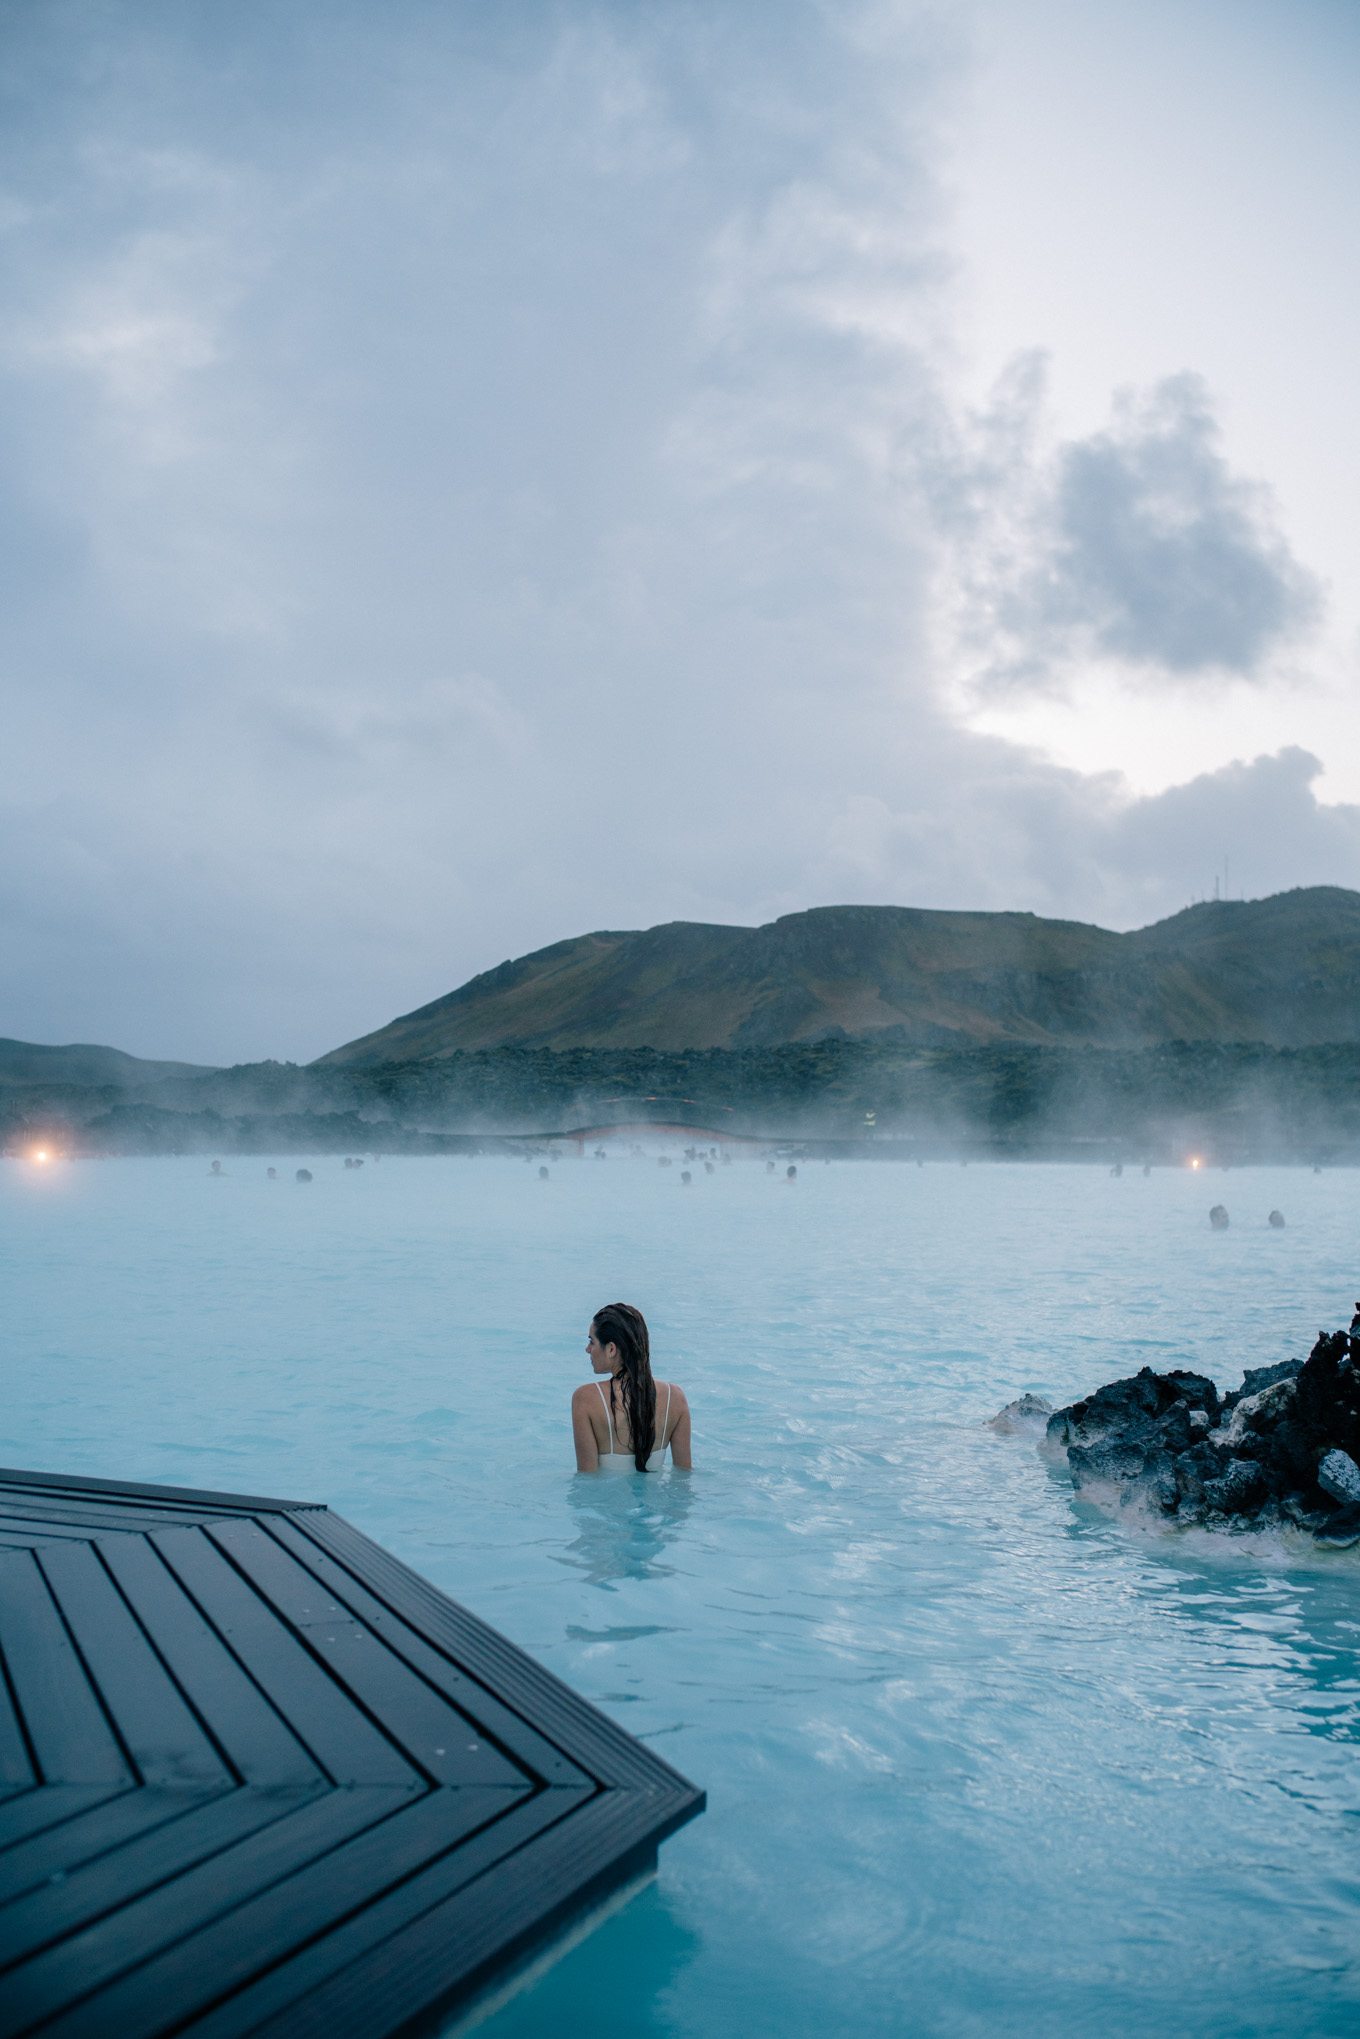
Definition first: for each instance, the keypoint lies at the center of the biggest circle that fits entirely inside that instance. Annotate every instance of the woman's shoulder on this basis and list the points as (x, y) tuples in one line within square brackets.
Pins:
[(589, 1391), (674, 1390)]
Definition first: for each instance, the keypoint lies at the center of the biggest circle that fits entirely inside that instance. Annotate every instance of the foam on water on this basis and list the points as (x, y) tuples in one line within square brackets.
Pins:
[(979, 1761)]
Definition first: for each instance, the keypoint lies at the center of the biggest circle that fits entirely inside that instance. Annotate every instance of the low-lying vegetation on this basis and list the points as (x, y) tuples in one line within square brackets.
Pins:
[(1226, 1104)]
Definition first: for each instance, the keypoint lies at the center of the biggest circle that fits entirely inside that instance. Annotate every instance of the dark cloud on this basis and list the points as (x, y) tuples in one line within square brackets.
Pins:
[(1017, 833), (1139, 544), (1166, 555), (1261, 819)]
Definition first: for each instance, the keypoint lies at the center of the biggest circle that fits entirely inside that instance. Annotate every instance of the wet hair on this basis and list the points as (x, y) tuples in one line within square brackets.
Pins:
[(620, 1325)]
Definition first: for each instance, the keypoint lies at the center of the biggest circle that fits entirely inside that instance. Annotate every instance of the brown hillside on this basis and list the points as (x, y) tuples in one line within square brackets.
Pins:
[(1283, 971)]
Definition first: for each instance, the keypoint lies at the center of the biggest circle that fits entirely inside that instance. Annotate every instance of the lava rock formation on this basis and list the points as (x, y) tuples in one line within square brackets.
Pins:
[(1283, 1448)]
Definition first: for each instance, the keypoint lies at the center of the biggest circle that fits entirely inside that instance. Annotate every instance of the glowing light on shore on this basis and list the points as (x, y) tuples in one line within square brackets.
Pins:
[(1194, 1161)]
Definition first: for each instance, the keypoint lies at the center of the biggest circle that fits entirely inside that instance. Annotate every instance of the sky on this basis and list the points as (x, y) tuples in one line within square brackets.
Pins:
[(471, 475)]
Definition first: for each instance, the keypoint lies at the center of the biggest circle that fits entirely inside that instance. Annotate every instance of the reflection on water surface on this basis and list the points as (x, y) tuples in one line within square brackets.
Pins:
[(625, 1525)]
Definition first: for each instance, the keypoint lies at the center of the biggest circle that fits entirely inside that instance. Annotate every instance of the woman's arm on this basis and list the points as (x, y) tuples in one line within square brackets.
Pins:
[(680, 1437), (587, 1449)]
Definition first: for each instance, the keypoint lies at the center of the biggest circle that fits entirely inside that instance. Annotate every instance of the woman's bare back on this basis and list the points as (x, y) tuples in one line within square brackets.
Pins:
[(591, 1424)]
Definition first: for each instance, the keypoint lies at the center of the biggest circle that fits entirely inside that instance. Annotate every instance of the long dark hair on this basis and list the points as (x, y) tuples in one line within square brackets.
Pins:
[(619, 1324)]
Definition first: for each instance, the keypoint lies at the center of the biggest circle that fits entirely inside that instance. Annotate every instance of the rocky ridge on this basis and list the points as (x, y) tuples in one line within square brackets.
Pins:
[(1281, 972)]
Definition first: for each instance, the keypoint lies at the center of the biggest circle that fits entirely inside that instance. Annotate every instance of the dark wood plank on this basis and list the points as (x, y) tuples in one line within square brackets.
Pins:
[(604, 1750), (514, 1734), (379, 1922), (93, 1889), (160, 1732), (70, 1736), (209, 1637), (56, 1850), (258, 1742), (28, 1535), (175, 1951), (203, 1500), (432, 1732), (49, 1806), (16, 1770), (88, 1517), (444, 1958), (349, 1748)]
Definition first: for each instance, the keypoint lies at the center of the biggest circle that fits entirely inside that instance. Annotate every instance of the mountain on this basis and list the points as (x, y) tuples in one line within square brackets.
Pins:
[(24, 1063), (1283, 972)]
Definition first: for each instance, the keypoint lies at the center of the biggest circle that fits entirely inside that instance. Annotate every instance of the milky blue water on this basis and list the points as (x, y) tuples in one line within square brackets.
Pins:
[(979, 1761)]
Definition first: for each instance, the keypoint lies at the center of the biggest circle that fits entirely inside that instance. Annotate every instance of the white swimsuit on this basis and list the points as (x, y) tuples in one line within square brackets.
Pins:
[(617, 1461)]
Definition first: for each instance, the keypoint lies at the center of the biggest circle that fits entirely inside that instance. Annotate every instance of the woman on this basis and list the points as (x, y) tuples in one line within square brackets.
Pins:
[(626, 1429)]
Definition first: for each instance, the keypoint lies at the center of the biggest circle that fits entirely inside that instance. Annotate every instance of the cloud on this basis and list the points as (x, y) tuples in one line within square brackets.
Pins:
[(1076, 846), (475, 475), (1262, 816), (1138, 545)]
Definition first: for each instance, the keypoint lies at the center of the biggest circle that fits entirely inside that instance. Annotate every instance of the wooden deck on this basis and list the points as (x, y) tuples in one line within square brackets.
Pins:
[(257, 1776)]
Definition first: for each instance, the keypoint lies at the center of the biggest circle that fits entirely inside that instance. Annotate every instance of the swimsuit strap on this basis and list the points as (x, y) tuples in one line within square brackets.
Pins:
[(666, 1418), (609, 1416)]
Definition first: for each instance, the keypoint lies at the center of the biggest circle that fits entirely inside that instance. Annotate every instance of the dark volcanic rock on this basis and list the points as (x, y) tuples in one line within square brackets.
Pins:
[(1168, 1444), (1339, 1476), (1257, 1377), (1027, 1413), (1122, 1406)]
